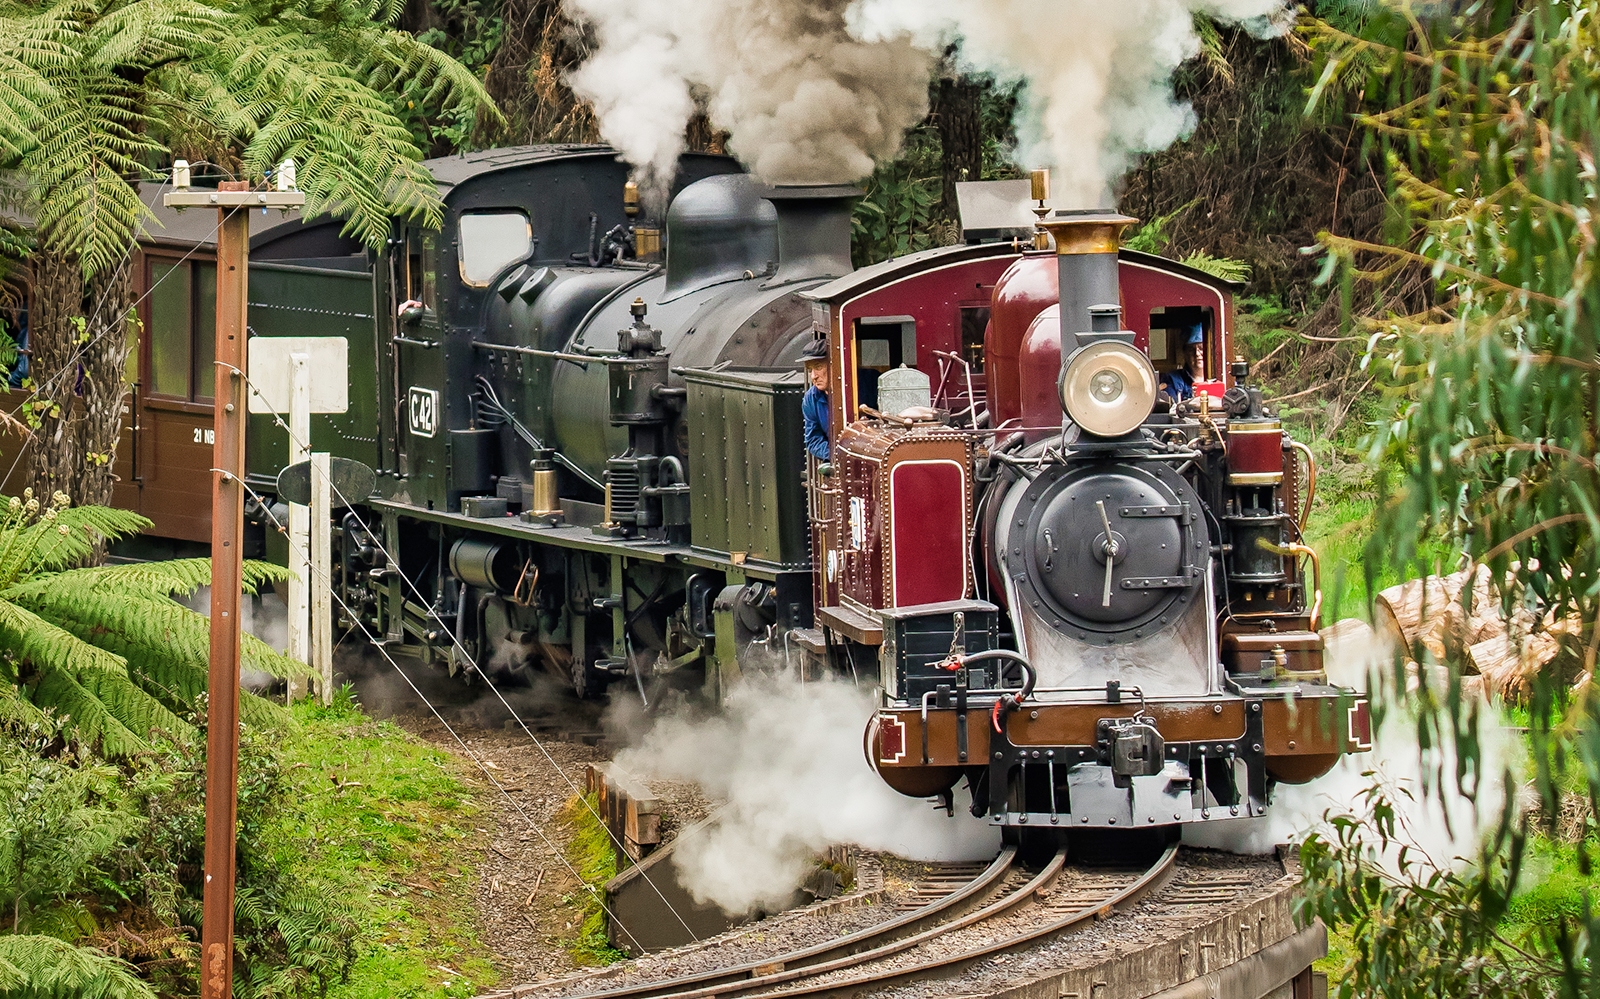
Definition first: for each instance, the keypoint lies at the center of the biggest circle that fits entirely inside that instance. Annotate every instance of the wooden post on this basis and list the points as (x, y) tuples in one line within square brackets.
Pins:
[(232, 200), (321, 574), (222, 684), (299, 522)]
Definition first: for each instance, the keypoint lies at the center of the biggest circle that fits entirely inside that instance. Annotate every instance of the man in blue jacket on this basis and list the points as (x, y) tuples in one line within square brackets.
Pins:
[(1178, 384), (814, 404)]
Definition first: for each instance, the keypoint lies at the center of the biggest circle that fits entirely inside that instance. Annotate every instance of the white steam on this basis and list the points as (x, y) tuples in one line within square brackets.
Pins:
[(1098, 75), (1435, 815), (813, 91), (802, 99), (787, 759)]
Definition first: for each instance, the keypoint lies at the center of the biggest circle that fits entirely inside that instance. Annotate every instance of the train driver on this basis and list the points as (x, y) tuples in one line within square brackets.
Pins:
[(1178, 384), (814, 404)]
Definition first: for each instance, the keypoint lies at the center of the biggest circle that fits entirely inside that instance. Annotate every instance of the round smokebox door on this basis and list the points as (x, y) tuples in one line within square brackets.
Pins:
[(1121, 582)]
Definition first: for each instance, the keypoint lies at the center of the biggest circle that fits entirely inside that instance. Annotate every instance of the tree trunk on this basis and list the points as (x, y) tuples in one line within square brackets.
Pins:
[(957, 112), (79, 342)]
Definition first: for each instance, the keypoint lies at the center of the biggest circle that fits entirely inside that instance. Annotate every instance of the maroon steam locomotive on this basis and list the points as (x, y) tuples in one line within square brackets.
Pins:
[(1096, 609)]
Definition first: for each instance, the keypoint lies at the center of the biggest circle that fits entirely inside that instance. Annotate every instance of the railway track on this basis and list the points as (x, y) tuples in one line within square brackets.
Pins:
[(954, 918)]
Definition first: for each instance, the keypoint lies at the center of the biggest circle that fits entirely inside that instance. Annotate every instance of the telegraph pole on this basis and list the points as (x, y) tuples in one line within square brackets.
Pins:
[(233, 201)]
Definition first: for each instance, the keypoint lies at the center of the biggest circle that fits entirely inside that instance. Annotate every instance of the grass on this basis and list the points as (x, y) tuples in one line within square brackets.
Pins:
[(389, 822), (592, 856)]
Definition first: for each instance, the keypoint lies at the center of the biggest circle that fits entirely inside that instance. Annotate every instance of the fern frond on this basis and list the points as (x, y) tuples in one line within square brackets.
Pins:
[(47, 968), (128, 703), (46, 645), (1225, 268), (83, 713)]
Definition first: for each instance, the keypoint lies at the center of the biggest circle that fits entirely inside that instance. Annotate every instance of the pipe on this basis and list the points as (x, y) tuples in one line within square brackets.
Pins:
[(1311, 481), (1086, 262)]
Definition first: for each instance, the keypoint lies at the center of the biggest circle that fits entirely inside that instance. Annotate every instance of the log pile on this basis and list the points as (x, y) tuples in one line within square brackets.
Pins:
[(631, 812), (1456, 620)]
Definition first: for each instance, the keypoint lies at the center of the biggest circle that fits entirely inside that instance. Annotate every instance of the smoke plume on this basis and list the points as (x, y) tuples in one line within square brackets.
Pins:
[(802, 99), (1097, 75), (787, 759), (813, 91)]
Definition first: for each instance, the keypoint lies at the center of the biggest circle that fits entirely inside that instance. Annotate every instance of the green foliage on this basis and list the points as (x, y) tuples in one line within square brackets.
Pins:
[(41, 967), (1420, 926), (594, 857), (107, 647), (900, 213), (1485, 450), (897, 215), (60, 820), (91, 91)]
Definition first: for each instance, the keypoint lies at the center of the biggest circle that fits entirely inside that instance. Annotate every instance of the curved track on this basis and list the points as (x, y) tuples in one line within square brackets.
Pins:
[(935, 940)]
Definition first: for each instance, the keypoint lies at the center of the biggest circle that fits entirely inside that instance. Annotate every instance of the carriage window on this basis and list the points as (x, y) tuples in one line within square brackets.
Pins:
[(490, 241), (180, 323), (974, 321), (205, 327), (170, 329)]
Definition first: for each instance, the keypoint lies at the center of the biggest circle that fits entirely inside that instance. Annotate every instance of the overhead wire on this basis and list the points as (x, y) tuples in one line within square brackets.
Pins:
[(457, 645), (475, 757)]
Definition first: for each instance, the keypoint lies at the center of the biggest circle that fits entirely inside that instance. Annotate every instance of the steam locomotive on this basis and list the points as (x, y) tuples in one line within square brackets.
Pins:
[(587, 434)]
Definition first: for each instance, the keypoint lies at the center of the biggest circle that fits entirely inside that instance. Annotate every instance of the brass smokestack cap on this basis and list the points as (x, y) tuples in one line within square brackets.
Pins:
[(1086, 232)]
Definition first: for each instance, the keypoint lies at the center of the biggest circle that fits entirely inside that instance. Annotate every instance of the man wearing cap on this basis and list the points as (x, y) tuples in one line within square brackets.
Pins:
[(1178, 384), (814, 404)]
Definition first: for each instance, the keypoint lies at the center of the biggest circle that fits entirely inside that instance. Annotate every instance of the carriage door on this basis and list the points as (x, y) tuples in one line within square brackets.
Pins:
[(173, 397)]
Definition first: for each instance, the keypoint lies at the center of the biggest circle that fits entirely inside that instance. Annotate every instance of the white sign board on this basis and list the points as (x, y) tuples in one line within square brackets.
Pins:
[(270, 372)]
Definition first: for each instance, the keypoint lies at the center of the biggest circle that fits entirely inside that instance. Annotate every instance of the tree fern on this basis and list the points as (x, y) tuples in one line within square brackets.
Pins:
[(106, 647)]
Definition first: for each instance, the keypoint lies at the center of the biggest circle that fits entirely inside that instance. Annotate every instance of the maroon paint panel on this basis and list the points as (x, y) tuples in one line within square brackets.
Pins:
[(934, 299), (929, 517)]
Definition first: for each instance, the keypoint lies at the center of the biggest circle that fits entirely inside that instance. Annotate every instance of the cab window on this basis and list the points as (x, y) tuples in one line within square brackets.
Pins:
[(491, 240)]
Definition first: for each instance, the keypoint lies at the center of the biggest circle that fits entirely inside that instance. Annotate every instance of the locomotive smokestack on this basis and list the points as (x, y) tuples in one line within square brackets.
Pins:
[(813, 230), (1086, 259)]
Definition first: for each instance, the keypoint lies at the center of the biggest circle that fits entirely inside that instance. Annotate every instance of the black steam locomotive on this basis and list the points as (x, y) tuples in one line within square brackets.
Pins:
[(587, 433)]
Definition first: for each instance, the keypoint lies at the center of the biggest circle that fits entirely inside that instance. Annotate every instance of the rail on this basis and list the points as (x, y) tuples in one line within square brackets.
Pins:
[(842, 967), (731, 980)]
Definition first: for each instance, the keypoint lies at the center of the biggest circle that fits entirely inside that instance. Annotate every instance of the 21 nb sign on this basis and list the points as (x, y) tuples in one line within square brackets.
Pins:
[(423, 407)]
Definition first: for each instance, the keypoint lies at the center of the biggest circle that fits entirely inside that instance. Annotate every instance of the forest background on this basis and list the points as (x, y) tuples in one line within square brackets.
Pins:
[(1292, 156)]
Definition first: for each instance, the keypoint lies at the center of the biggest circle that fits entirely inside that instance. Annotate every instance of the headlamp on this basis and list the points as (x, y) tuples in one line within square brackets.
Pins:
[(1108, 388)]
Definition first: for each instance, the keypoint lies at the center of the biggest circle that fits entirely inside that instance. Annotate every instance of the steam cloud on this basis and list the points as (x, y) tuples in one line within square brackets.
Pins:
[(1436, 815), (1098, 75), (802, 99), (813, 91), (786, 757)]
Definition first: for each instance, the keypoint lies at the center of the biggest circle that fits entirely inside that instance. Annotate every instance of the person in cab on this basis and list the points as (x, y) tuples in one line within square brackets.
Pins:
[(814, 404), (1178, 384)]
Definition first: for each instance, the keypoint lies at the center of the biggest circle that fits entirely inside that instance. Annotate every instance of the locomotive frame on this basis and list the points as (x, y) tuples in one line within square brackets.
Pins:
[(589, 464)]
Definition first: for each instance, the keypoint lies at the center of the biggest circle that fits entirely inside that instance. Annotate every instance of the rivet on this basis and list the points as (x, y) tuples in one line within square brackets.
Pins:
[(1034, 715)]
